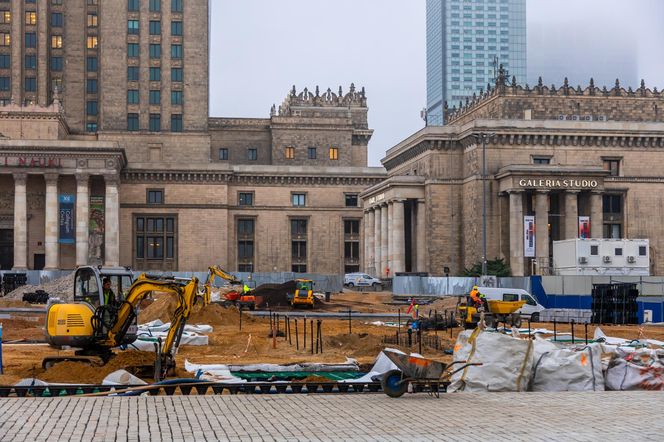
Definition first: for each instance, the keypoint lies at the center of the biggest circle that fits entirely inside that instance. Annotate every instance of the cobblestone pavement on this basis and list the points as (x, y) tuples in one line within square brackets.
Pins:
[(460, 417)]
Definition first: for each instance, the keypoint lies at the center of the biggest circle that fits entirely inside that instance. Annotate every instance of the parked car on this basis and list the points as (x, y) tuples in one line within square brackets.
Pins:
[(361, 280)]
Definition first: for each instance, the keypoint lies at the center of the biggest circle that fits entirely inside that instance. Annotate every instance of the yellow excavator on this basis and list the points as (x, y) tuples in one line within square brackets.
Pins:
[(95, 326), (241, 299), (304, 294)]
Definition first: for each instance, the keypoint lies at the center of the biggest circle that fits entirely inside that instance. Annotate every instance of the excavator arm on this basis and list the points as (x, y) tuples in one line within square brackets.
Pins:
[(213, 271)]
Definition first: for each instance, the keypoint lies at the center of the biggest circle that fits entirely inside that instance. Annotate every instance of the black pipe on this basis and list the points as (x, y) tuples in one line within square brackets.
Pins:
[(586, 327), (297, 336), (572, 323), (312, 336), (304, 341), (419, 338), (555, 335)]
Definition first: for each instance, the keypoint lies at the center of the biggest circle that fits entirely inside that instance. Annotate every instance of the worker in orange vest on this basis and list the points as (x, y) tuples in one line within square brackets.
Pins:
[(477, 298)]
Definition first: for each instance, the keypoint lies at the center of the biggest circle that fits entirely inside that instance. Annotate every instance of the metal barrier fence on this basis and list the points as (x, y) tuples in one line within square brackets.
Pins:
[(452, 285)]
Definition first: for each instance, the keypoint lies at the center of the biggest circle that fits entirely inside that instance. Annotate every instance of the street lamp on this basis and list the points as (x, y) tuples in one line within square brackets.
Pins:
[(484, 138)]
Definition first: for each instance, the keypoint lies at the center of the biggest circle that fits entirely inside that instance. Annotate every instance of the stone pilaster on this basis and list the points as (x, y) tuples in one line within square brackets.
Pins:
[(369, 231), (20, 222), (390, 239), (112, 237), (384, 240), (516, 233), (82, 218), (421, 236), (51, 245), (542, 229), (398, 238), (571, 214), (596, 215), (378, 218)]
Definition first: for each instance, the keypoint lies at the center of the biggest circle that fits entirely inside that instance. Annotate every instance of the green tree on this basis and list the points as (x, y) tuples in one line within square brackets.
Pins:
[(495, 267)]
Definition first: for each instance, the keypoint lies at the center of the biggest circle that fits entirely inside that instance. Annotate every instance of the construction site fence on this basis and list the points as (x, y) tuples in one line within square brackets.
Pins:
[(323, 283)]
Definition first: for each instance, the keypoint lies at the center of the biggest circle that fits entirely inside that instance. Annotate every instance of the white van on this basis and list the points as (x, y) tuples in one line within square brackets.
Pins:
[(531, 308), (361, 280)]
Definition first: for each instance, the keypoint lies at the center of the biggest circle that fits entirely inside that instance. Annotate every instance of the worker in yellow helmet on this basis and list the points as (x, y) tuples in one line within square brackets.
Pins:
[(476, 296)]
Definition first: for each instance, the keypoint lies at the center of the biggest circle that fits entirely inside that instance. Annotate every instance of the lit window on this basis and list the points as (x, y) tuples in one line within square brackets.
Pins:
[(5, 39), (92, 20), (290, 153), (5, 17), (334, 153), (92, 42), (30, 18)]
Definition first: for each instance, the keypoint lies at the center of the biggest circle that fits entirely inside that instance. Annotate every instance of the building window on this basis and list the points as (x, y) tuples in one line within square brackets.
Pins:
[(312, 153), (155, 5), (5, 17), (56, 41), (176, 74), (155, 74), (56, 64), (176, 97), (91, 64), (30, 84), (5, 83), (5, 61), (91, 86), (176, 122), (245, 245), (334, 153), (92, 42), (132, 96), (223, 154), (133, 5), (299, 199), (252, 154), (132, 73), (30, 40), (30, 18), (132, 27), (176, 5), (155, 123), (613, 166), (91, 127), (155, 97), (290, 153), (92, 20), (176, 28), (176, 51), (91, 108), (133, 50), (5, 39), (56, 19), (155, 196), (642, 251), (541, 160), (155, 51), (351, 200), (612, 204), (155, 27), (351, 243), (132, 122), (612, 231), (155, 237), (245, 198), (299, 245), (31, 62)]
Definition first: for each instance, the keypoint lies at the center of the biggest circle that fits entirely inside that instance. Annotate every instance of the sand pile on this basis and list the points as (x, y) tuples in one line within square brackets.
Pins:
[(62, 288), (164, 306), (15, 329), (5, 302), (356, 344), (82, 373)]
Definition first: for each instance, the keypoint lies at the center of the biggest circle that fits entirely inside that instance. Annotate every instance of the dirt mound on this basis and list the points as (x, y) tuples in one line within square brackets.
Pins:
[(62, 288), (5, 302), (273, 295), (15, 329), (82, 373), (164, 306), (356, 344)]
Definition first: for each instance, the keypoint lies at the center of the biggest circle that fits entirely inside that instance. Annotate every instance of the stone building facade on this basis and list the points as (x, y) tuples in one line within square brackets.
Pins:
[(560, 162)]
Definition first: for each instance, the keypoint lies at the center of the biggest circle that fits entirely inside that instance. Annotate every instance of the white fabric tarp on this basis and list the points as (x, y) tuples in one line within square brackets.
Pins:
[(507, 362), (149, 334), (638, 370), (122, 377), (382, 365), (158, 326), (569, 370), (213, 372)]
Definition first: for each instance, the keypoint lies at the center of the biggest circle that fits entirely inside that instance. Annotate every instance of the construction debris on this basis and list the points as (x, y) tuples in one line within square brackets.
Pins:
[(58, 288)]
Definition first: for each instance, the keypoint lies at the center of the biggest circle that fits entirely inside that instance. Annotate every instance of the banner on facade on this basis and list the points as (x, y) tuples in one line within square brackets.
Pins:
[(67, 220), (584, 227), (96, 231), (529, 236)]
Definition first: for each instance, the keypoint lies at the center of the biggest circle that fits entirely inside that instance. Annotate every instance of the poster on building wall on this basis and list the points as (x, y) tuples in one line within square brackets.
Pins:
[(67, 222), (96, 231), (584, 227), (529, 236)]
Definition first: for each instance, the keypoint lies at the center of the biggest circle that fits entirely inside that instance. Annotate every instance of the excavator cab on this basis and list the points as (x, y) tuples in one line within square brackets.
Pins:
[(88, 284), (304, 293)]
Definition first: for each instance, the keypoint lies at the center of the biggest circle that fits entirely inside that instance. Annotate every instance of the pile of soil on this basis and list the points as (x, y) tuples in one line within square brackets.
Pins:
[(361, 344), (5, 302), (164, 306), (15, 329), (82, 373), (273, 295), (62, 288)]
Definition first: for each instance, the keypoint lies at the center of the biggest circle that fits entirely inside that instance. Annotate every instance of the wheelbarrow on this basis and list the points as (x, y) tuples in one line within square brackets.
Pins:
[(415, 373)]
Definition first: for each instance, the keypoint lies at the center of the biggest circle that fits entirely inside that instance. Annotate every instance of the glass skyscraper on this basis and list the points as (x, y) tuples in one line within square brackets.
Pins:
[(467, 40)]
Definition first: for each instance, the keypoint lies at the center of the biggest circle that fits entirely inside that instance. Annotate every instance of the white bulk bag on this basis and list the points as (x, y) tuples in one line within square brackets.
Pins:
[(569, 370)]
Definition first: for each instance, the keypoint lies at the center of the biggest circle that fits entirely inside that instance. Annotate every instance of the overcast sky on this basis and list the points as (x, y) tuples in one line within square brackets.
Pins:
[(261, 48)]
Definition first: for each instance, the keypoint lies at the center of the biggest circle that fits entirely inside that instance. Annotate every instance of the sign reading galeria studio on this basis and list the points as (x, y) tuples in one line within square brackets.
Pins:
[(558, 183)]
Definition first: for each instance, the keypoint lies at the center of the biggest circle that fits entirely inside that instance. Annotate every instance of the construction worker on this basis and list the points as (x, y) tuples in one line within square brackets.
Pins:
[(245, 289), (109, 296), (477, 298)]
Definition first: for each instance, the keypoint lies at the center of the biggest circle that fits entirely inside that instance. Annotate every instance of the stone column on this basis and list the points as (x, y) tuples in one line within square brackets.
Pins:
[(369, 230), (112, 222), (571, 214), (383, 240), (51, 225), (20, 221), (82, 218), (516, 233), (421, 236), (542, 229), (17, 60), (43, 45), (596, 215), (390, 240), (377, 257), (398, 237)]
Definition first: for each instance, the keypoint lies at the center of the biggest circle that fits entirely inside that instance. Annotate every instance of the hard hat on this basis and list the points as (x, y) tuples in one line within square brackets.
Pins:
[(474, 287)]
